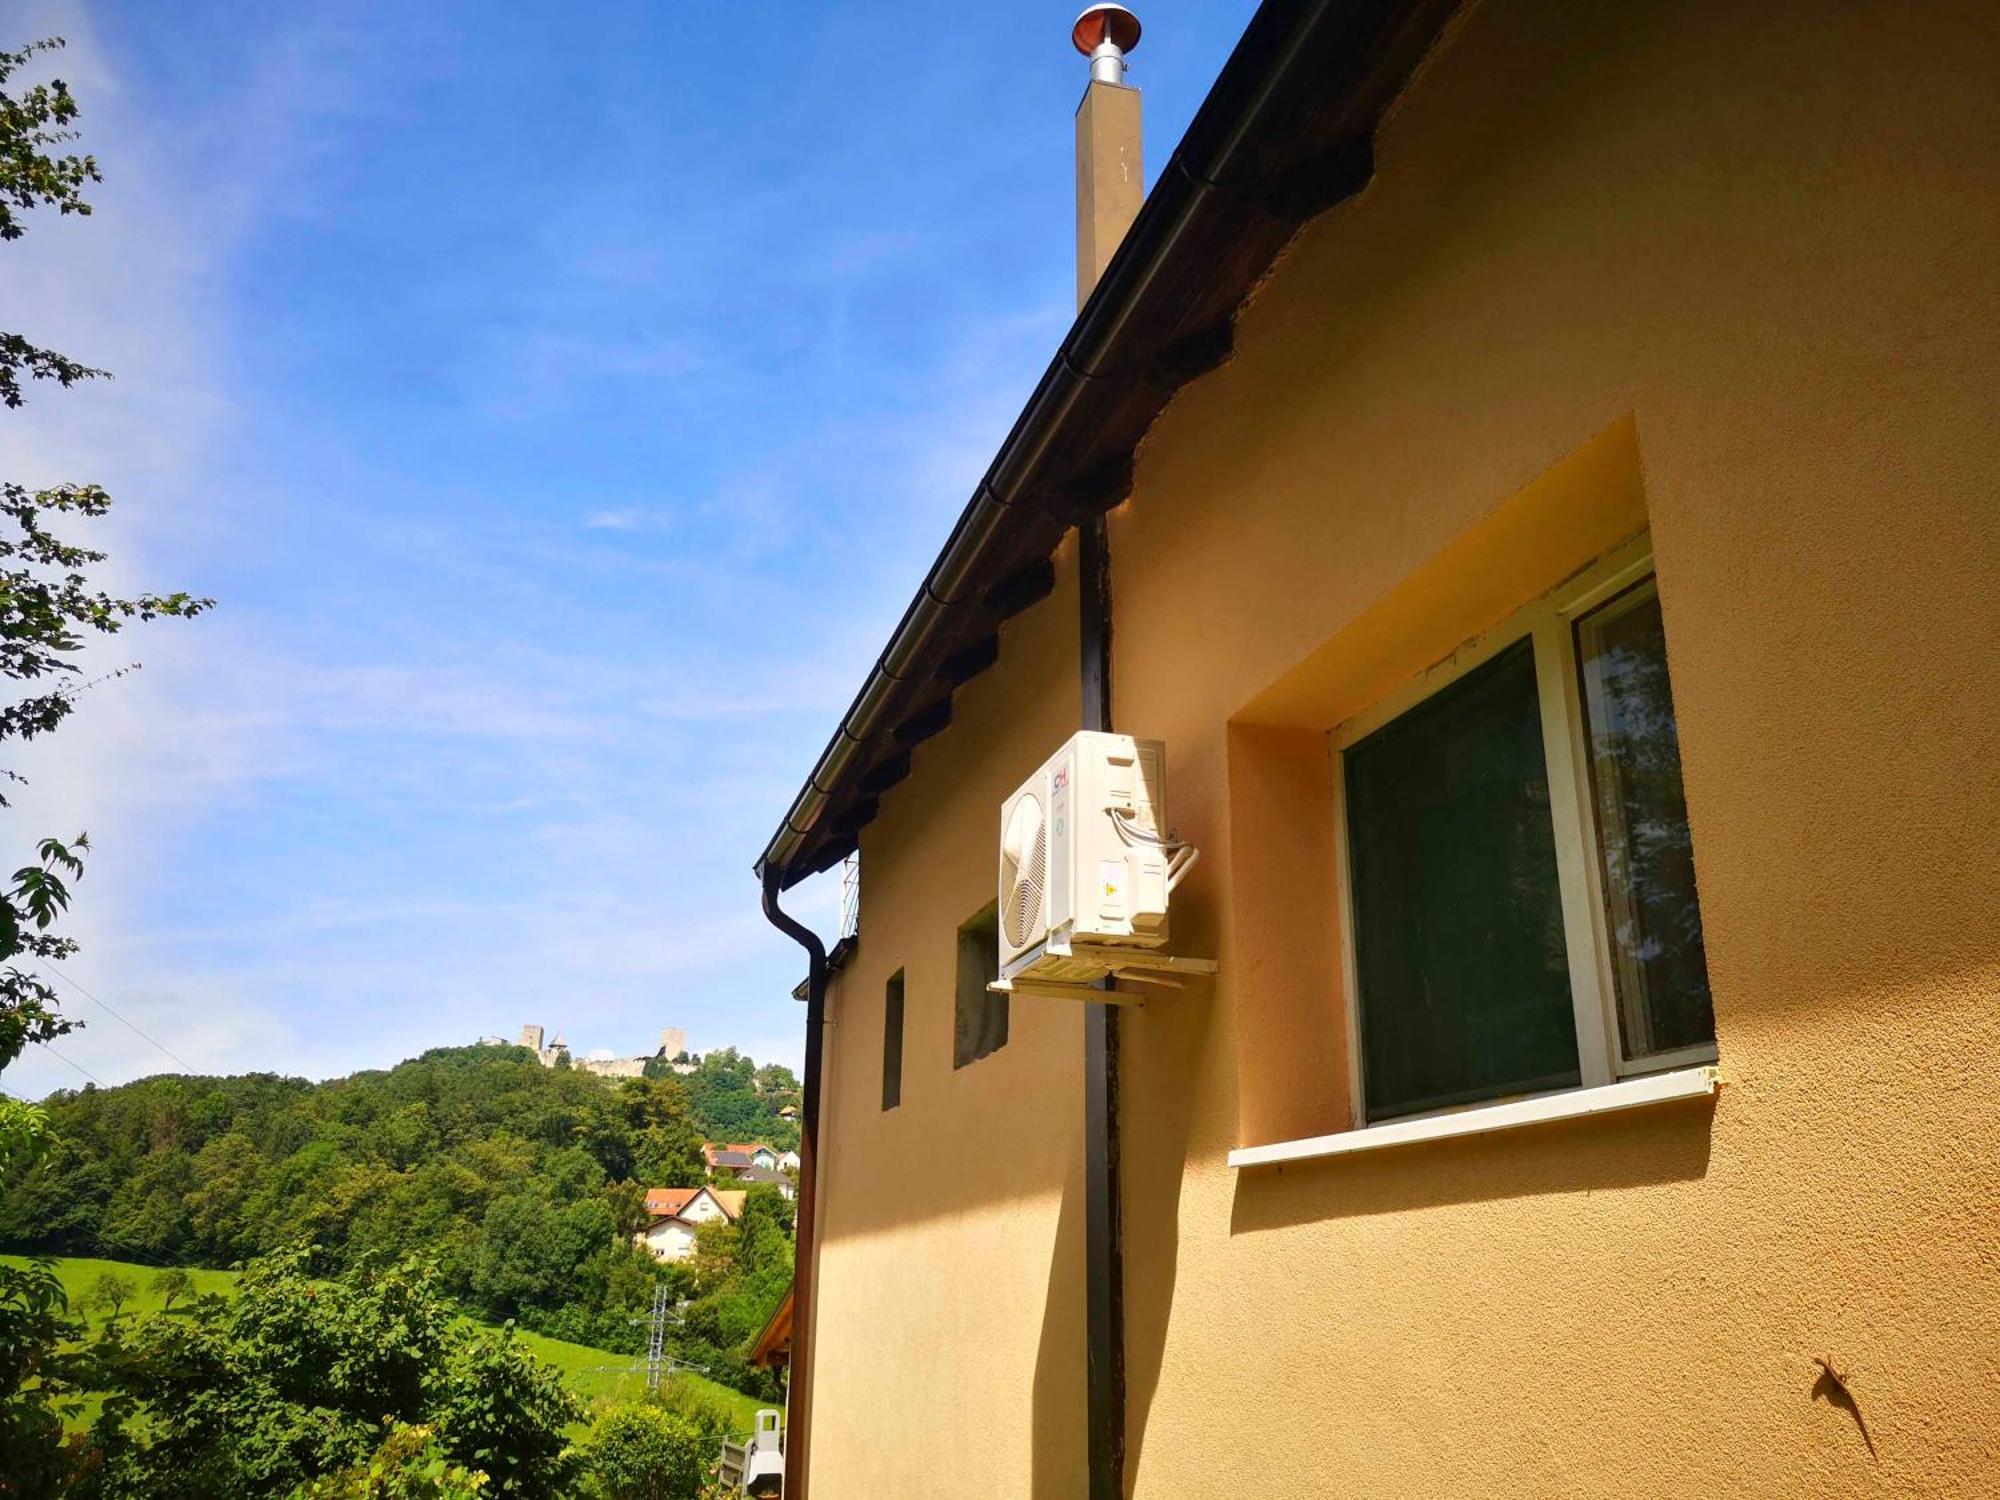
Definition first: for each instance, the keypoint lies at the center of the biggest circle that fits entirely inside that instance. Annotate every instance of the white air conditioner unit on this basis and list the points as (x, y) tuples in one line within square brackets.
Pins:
[(1086, 865)]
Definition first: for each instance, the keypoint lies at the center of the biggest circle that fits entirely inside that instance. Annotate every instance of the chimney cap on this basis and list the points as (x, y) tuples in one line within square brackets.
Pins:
[(1105, 23)]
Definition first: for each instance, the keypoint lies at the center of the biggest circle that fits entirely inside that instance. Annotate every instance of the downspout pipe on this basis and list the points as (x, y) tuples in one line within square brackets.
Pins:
[(798, 1403), (1103, 1205)]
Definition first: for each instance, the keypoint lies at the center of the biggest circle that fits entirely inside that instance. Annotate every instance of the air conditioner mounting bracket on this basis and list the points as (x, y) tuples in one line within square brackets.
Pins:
[(1161, 970)]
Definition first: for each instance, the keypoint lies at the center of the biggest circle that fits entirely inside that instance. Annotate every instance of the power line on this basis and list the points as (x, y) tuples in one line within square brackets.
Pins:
[(78, 1066), (58, 973)]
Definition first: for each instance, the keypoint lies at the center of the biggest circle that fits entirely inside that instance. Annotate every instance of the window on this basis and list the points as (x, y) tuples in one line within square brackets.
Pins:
[(1519, 876), (980, 1018), (1463, 979), (1659, 969), (892, 1042)]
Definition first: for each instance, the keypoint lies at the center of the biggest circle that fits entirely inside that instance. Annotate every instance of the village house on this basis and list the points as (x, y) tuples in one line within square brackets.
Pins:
[(771, 1177), (1529, 475), (752, 1163), (738, 1156), (674, 1214)]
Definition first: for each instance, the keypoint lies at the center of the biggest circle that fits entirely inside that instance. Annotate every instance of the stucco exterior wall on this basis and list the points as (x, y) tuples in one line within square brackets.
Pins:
[(1730, 272), (951, 1254)]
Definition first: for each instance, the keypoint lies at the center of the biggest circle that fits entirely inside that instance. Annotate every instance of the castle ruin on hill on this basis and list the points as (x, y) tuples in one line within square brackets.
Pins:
[(551, 1050)]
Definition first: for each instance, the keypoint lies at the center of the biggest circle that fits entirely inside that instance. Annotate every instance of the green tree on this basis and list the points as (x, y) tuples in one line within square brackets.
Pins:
[(532, 1252), (47, 600), (724, 1095), (499, 1406), (111, 1291), (24, 1137), (293, 1379), (626, 1203), (411, 1464), (644, 1452), (226, 1173), (42, 1380), (521, 1183), (171, 1285), (666, 1138)]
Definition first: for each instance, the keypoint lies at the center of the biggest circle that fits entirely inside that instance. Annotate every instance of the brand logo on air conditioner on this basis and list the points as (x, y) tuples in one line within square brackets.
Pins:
[(1061, 779)]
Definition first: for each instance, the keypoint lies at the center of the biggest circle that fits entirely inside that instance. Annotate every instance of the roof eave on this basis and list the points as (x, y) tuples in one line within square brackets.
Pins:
[(1286, 132)]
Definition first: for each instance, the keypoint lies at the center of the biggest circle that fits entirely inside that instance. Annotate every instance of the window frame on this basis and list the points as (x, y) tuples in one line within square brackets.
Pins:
[(1550, 623)]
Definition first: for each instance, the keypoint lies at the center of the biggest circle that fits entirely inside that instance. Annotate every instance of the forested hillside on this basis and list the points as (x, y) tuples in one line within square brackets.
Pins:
[(522, 1182)]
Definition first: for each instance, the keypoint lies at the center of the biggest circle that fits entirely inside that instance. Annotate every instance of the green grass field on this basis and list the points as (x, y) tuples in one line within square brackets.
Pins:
[(79, 1275), (584, 1370), (594, 1374)]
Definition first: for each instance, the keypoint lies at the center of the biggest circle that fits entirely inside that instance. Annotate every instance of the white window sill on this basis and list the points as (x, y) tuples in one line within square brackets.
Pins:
[(1628, 1093)]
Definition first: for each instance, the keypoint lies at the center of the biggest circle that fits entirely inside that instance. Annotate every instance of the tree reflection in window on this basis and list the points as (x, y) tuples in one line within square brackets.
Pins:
[(1659, 966)]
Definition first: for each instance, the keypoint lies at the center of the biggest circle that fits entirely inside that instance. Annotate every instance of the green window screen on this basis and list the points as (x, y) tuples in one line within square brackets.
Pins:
[(1458, 933), (1645, 856)]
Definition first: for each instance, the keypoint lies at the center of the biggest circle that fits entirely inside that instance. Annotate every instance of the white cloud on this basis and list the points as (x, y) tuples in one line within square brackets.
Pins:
[(629, 518)]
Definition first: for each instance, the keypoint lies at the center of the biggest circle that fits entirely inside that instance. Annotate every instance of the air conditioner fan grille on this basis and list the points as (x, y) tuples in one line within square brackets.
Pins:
[(1027, 863)]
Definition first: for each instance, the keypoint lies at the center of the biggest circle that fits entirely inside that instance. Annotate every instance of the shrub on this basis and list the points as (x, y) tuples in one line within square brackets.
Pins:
[(645, 1452), (410, 1465), (41, 1382), (706, 1411)]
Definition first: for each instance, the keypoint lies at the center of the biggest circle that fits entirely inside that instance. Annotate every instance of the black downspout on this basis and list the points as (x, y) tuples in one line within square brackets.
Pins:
[(1103, 1233), (798, 1403)]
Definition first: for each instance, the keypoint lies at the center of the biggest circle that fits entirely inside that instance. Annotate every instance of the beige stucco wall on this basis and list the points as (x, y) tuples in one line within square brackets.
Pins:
[(951, 1232), (1752, 254)]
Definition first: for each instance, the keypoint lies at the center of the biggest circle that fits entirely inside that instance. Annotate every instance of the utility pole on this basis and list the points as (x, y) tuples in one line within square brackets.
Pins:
[(656, 1344), (659, 1364)]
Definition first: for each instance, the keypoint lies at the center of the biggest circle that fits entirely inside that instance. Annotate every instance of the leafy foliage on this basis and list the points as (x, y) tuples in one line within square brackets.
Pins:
[(642, 1451), (522, 1183), (171, 1286), (292, 1380), (42, 1379), (740, 1274), (112, 1291), (24, 1137), (738, 1101), (48, 604), (410, 1465)]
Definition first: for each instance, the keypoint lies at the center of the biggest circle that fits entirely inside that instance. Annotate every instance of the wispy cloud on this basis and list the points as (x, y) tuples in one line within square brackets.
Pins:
[(630, 518)]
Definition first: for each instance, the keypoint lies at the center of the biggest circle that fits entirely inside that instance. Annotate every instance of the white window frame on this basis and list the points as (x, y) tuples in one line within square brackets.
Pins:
[(1550, 622)]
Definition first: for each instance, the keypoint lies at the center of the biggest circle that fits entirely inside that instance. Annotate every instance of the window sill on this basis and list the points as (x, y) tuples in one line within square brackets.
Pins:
[(1628, 1093)]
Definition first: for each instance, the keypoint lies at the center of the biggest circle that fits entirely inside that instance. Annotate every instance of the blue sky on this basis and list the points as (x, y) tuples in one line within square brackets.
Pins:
[(562, 404)]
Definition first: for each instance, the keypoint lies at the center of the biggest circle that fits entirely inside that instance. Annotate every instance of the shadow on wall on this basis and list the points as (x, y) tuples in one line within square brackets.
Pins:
[(1058, 1460), (1160, 1060), (1637, 1149)]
